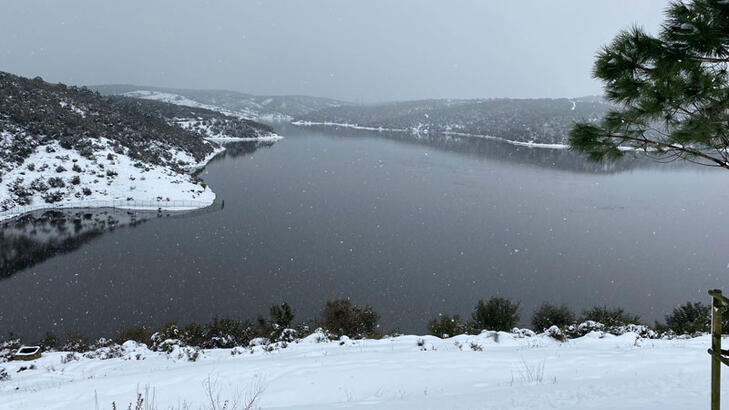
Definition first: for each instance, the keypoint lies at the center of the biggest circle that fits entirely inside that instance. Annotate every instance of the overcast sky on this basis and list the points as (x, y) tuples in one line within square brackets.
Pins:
[(368, 50)]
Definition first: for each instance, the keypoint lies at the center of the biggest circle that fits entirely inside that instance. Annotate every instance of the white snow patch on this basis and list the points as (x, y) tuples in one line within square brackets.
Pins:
[(113, 182)]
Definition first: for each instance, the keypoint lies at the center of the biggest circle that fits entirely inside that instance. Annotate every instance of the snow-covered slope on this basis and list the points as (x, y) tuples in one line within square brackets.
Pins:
[(488, 371), (70, 147), (56, 177), (271, 108), (181, 100)]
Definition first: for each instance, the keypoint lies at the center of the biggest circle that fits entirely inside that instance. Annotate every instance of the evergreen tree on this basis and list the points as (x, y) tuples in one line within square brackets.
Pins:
[(671, 90)]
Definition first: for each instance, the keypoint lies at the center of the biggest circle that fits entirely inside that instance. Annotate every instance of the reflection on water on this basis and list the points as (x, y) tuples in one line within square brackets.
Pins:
[(234, 149), (31, 239)]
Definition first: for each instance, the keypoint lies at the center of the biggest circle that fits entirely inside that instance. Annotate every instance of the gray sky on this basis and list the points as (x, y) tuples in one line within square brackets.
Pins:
[(367, 50)]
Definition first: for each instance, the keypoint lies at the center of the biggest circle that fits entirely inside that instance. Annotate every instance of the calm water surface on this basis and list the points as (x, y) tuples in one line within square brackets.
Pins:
[(412, 228)]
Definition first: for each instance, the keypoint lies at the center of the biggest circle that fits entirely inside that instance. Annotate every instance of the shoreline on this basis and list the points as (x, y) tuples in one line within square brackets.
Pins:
[(414, 132)]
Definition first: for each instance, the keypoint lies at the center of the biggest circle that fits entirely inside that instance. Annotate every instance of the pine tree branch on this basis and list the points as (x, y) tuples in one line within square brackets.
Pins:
[(646, 142)]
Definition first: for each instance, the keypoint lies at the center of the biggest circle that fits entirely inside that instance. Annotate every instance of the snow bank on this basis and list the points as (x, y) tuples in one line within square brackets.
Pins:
[(494, 370)]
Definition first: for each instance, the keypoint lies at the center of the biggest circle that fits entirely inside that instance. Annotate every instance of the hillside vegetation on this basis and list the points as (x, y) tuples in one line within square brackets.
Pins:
[(61, 143), (544, 120)]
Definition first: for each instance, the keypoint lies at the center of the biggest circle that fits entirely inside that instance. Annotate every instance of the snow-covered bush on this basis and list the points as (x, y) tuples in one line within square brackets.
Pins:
[(287, 336), (8, 348), (555, 332), (69, 357), (56, 182), (166, 338), (21, 194), (345, 318), (77, 344), (578, 330), (496, 314), (581, 329), (609, 316), (642, 331), (550, 315), (52, 197), (320, 336), (39, 185), (690, 318), (445, 326), (522, 333)]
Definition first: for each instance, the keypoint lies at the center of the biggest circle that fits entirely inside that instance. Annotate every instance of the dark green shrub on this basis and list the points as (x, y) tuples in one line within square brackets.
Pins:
[(445, 326), (75, 180), (550, 315), (347, 319), (496, 314), (137, 334), (610, 316), (38, 185), (52, 197), (282, 315), (56, 182), (76, 343), (282, 318), (225, 333), (50, 341), (689, 318)]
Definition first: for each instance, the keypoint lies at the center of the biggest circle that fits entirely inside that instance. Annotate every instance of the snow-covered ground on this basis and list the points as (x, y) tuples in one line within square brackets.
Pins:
[(107, 179), (488, 371)]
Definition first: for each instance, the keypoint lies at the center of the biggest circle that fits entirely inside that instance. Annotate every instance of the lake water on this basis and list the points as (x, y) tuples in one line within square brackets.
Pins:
[(411, 227)]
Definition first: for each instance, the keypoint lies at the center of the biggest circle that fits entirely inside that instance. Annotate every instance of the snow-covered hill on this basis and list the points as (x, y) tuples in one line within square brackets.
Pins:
[(488, 371), (271, 108), (535, 122), (70, 147)]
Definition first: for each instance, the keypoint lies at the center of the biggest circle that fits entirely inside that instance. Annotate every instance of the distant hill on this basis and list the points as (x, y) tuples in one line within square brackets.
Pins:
[(546, 121), (284, 107)]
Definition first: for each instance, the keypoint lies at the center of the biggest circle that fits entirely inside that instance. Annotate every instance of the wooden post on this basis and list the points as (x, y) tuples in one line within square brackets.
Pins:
[(717, 305)]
